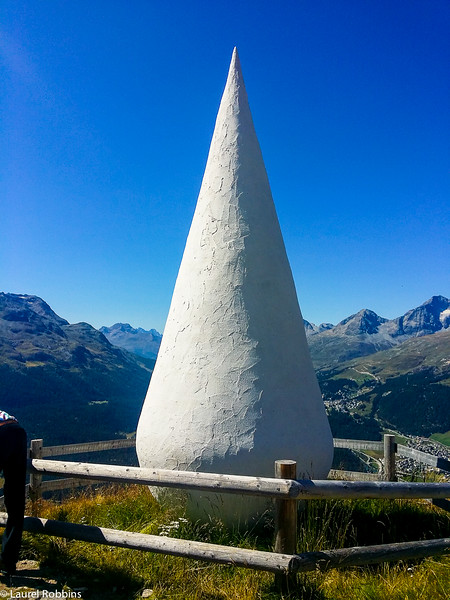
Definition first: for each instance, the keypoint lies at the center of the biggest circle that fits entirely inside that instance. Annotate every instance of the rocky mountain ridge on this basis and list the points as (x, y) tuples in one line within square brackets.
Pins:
[(67, 382), (366, 332), (360, 334)]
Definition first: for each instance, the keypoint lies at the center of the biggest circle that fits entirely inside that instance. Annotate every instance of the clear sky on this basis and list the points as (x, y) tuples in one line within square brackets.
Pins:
[(107, 111)]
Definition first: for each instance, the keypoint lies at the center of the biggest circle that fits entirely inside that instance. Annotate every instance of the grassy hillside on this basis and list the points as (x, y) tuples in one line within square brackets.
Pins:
[(406, 388), (443, 438), (66, 383), (115, 573), (70, 405)]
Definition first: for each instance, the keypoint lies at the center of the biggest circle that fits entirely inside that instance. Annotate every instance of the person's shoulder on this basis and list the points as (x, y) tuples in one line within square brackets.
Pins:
[(4, 416)]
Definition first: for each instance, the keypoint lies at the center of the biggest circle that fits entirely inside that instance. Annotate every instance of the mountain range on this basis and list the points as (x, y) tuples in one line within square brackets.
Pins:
[(71, 382), (374, 372), (66, 383), (365, 332), (360, 334), (139, 341)]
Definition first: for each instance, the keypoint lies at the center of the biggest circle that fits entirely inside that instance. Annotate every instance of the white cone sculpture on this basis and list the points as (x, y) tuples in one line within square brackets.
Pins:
[(234, 388)]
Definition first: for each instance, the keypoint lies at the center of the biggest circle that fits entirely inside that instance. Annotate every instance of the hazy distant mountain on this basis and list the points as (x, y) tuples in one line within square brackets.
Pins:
[(366, 333), (66, 383), (141, 342)]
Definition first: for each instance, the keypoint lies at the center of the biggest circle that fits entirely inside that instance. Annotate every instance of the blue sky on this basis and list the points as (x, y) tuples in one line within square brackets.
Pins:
[(107, 111)]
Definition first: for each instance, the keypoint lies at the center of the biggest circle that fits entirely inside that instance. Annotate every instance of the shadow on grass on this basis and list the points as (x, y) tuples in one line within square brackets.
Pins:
[(303, 588), (96, 580), (326, 524), (390, 521)]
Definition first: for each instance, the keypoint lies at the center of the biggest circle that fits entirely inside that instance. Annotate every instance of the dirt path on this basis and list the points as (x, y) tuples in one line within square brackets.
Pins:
[(368, 373)]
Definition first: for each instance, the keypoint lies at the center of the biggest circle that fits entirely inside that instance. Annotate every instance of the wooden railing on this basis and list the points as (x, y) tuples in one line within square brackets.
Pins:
[(87, 447), (399, 449), (38, 450), (388, 448), (287, 489), (284, 489)]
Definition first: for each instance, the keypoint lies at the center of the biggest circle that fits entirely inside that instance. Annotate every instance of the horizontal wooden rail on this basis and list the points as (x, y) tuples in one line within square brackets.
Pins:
[(87, 447), (358, 444), (353, 475), (62, 484), (418, 455), (39, 451), (252, 559), (240, 484)]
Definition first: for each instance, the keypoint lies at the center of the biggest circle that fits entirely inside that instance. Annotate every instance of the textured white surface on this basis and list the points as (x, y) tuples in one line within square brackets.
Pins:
[(233, 387)]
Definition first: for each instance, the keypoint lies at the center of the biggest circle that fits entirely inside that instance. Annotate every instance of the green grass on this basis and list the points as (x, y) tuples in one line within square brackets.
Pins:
[(444, 438), (117, 573)]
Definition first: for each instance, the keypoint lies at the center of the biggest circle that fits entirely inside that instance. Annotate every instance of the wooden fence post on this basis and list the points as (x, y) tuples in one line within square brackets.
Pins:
[(390, 448), (285, 523), (35, 478)]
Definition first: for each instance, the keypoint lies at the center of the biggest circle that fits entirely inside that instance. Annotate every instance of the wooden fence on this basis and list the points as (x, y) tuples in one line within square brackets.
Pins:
[(388, 448), (284, 489), (38, 450), (279, 563)]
